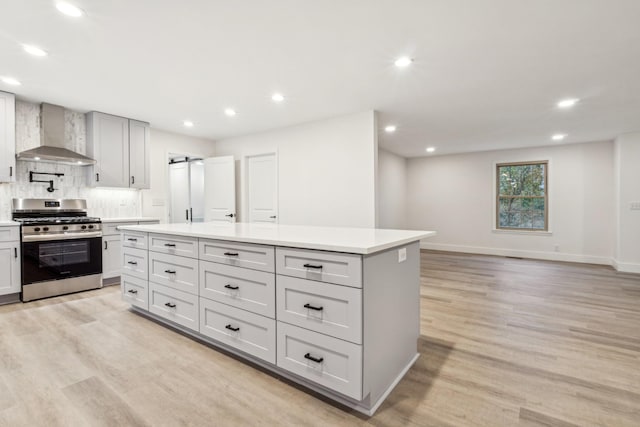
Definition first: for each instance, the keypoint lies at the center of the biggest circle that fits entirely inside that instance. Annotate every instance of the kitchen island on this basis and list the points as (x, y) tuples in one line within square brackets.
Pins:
[(334, 309)]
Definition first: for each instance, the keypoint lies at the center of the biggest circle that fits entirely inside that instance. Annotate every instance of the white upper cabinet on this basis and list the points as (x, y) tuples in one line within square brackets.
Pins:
[(120, 147), (139, 135), (108, 144), (7, 137)]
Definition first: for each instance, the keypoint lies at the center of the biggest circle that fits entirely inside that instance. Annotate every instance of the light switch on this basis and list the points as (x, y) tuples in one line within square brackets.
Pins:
[(634, 206), (402, 255)]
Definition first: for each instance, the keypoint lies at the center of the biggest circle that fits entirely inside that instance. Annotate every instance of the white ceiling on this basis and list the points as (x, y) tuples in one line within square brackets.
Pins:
[(487, 73)]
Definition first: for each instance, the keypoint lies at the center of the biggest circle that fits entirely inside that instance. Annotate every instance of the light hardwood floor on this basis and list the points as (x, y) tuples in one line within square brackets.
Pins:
[(505, 342)]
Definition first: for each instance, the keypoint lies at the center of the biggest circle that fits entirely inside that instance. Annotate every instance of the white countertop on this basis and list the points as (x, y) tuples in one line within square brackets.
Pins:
[(129, 219), (9, 223), (338, 239)]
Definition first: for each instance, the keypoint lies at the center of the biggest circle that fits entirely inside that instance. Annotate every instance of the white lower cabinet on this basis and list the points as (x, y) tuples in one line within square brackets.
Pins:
[(172, 304), (345, 325), (175, 271), (9, 268), (135, 262), (111, 256), (250, 290), (328, 361), (135, 291), (249, 332), (329, 309)]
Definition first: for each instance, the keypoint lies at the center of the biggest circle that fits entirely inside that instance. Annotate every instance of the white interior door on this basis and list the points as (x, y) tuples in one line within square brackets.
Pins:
[(179, 192), (196, 181), (262, 188), (220, 189)]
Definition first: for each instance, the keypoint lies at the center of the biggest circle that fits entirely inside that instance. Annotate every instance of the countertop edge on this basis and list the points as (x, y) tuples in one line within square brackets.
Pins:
[(129, 219), (368, 250)]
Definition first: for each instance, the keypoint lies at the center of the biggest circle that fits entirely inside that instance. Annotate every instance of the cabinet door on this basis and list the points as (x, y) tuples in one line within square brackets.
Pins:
[(7, 137), (9, 268), (108, 144), (111, 253), (139, 133)]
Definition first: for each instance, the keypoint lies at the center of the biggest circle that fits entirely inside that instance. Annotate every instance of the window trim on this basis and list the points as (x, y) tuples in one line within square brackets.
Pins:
[(496, 187)]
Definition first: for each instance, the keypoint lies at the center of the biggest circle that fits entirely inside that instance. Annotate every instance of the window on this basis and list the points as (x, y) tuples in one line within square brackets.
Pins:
[(522, 196)]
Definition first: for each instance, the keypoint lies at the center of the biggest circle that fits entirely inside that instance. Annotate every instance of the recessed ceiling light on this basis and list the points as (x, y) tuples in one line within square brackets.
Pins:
[(277, 97), (34, 50), (36, 158), (559, 136), (188, 123), (567, 103), (431, 149), (230, 112), (79, 162), (404, 61), (10, 81), (69, 9), (390, 129)]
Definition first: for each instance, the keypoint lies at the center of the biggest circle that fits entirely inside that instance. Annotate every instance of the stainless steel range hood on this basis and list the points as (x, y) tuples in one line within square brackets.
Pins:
[(51, 147)]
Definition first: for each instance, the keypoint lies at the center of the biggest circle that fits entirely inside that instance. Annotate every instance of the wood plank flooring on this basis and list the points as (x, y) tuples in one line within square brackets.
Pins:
[(505, 342)]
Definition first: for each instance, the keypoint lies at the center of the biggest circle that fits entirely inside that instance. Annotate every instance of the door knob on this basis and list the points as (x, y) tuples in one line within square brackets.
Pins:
[(231, 215)]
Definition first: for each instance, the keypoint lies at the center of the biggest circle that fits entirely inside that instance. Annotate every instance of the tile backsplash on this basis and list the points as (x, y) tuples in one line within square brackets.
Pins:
[(102, 202)]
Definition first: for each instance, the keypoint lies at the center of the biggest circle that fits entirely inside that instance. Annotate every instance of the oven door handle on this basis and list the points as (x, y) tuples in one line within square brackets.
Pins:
[(61, 236)]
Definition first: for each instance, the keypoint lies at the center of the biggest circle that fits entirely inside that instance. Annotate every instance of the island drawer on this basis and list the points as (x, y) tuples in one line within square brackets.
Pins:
[(330, 267), (247, 255), (135, 291), (328, 361), (172, 304), (135, 262), (174, 271), (329, 309), (134, 239), (249, 332), (250, 290), (10, 234), (174, 245), (111, 228)]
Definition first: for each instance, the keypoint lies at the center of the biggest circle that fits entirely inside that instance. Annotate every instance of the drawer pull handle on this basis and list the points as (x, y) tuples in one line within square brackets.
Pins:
[(170, 305), (231, 253), (314, 359), (170, 271), (170, 245), (319, 267), (132, 262), (231, 328), (310, 307), (131, 239), (132, 291), (235, 288)]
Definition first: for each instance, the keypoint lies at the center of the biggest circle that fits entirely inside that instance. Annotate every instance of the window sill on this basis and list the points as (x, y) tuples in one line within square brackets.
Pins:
[(524, 232)]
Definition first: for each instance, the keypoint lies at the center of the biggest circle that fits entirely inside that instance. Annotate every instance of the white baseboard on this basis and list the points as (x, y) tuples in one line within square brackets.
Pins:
[(626, 267), (549, 256)]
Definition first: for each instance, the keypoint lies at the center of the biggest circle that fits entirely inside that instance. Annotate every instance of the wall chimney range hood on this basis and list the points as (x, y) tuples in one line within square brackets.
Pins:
[(51, 147)]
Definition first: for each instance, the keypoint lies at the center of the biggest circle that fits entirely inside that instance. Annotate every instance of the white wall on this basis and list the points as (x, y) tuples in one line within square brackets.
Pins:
[(627, 221), (155, 201), (454, 195), (326, 170), (392, 190)]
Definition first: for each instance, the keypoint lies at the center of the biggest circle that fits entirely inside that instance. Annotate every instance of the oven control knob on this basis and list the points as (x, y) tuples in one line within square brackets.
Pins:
[(84, 227), (45, 229), (36, 229), (90, 227), (65, 227)]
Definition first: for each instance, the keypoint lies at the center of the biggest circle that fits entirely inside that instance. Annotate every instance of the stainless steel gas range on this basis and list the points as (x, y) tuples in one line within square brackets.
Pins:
[(61, 247)]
